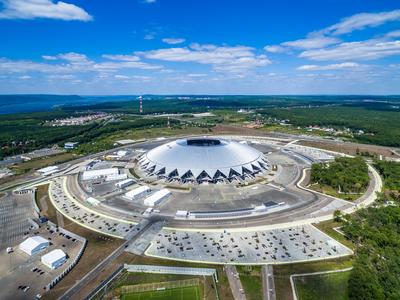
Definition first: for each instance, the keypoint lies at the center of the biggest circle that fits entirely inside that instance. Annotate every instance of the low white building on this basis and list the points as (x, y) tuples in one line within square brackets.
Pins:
[(54, 259), (48, 170), (124, 183), (157, 197), (138, 192), (70, 145), (122, 153), (92, 201), (34, 244), (96, 174), (114, 177), (181, 213)]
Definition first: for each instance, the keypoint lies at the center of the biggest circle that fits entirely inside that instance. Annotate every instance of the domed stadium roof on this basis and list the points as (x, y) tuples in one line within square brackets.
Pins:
[(203, 160)]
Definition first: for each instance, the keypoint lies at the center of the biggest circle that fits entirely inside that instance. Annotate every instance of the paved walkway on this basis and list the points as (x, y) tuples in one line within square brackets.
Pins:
[(268, 283), (235, 283)]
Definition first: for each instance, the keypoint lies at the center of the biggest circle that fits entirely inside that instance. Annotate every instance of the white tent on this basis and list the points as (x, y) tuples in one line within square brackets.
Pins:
[(33, 245), (102, 173), (138, 192), (157, 197), (54, 259)]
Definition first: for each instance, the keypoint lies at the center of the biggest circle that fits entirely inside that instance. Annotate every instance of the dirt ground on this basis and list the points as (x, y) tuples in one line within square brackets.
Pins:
[(235, 129), (98, 247), (350, 148)]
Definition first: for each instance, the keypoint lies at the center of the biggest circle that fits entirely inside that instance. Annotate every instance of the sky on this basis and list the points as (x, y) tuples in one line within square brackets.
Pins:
[(200, 47)]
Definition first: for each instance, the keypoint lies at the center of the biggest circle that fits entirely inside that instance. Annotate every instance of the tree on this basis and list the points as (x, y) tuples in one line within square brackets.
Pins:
[(337, 215)]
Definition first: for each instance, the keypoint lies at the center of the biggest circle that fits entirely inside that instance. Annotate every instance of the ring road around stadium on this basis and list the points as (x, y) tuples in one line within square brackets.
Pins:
[(220, 199)]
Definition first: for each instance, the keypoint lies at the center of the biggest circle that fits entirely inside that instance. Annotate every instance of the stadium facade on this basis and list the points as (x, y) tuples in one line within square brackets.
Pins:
[(204, 160)]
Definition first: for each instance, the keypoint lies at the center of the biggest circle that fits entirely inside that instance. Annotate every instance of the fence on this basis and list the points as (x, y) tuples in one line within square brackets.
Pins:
[(172, 270), (146, 287), (74, 261), (105, 283), (177, 271)]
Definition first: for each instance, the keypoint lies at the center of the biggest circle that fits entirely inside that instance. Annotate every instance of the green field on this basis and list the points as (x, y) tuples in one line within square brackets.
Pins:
[(185, 293), (332, 286), (250, 276)]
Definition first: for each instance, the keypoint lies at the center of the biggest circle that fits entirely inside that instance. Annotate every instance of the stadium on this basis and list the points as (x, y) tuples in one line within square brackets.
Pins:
[(204, 160), (204, 198)]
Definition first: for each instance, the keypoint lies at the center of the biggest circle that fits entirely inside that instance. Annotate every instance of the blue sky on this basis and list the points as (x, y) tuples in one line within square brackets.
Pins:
[(200, 47)]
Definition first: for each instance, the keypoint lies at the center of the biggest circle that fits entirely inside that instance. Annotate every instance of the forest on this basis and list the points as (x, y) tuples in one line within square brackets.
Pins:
[(379, 122), (376, 234), (19, 133), (345, 174)]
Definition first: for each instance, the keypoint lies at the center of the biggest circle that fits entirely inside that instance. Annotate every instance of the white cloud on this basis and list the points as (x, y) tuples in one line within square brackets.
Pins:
[(126, 78), (31, 9), (197, 75), (362, 21), (312, 42), (362, 50), (224, 58), (149, 1), (121, 76), (121, 57), (328, 46), (75, 62), (49, 57), (393, 34), (275, 49), (149, 36), (124, 62), (24, 77), (345, 65), (173, 41)]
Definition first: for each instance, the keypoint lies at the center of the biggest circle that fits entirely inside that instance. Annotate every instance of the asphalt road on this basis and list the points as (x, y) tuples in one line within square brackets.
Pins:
[(69, 294)]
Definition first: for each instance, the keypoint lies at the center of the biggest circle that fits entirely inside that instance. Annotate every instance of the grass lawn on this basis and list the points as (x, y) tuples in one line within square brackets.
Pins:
[(250, 276), (325, 189), (185, 293), (223, 287), (332, 286), (327, 227), (42, 162), (282, 273)]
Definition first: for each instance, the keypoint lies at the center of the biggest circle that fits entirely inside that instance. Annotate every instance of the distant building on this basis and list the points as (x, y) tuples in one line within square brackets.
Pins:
[(33, 245), (93, 201), (138, 192), (54, 259), (124, 183), (41, 153), (157, 197), (125, 142), (96, 174), (48, 170), (70, 145)]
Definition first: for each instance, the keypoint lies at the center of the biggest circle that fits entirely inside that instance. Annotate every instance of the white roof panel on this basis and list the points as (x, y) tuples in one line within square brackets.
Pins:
[(53, 256), (157, 196), (32, 242), (138, 191)]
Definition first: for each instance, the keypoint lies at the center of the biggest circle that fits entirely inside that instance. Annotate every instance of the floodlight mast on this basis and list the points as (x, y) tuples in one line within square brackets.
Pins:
[(140, 104)]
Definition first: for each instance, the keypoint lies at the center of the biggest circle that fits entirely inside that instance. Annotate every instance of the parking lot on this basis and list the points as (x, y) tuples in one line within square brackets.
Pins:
[(18, 270), (15, 211), (85, 216), (285, 245)]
